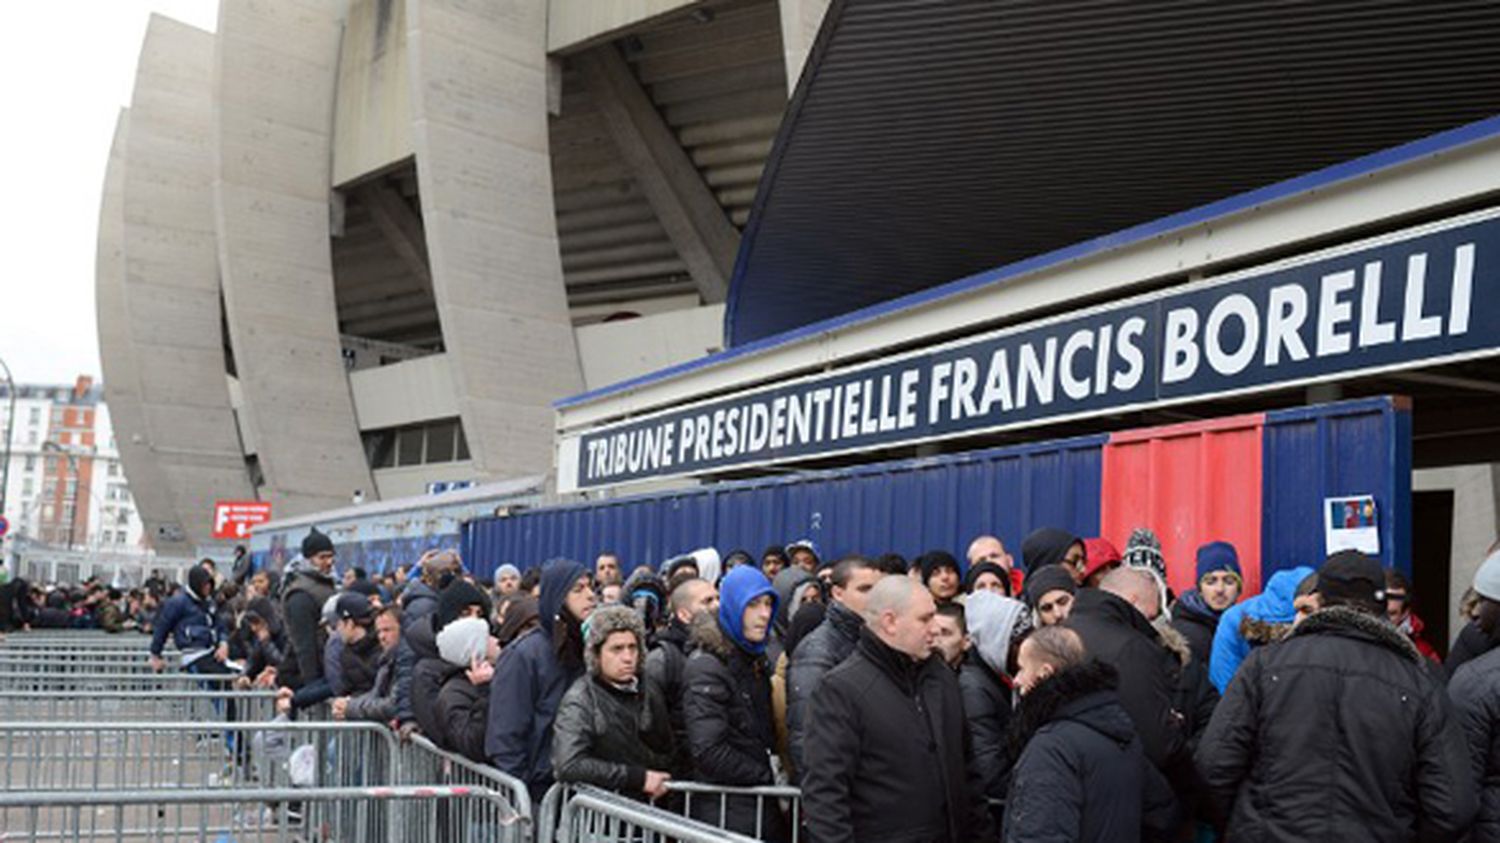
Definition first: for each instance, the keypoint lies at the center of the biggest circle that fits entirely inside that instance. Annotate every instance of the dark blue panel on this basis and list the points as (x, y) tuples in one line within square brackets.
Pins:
[(910, 507), (1332, 450)]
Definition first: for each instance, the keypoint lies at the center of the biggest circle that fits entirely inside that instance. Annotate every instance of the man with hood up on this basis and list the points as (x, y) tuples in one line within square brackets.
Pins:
[(997, 626), (727, 703), (308, 585), (533, 674), (1261, 619), (192, 619), (612, 729), (1339, 732), (1052, 546)]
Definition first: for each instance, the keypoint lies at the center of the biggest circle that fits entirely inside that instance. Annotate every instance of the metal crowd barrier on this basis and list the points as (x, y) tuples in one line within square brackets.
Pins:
[(592, 816), (151, 756), (66, 683), (685, 794), (258, 815), (422, 762), (92, 706)]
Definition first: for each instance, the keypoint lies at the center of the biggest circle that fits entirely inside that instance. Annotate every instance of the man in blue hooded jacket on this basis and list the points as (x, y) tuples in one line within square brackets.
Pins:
[(533, 674), (192, 620), (1273, 608), (726, 703)]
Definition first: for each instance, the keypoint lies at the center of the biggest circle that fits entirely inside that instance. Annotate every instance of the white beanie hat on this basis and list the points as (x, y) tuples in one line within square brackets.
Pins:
[(1487, 578), (463, 640)]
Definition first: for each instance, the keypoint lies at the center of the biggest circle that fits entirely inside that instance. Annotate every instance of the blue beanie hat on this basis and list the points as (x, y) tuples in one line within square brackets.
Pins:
[(1218, 556)]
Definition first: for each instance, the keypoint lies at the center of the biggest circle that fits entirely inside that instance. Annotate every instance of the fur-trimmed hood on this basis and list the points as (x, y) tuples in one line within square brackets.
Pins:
[(704, 633), (1070, 694), (1173, 641), (1342, 620), (1256, 631)]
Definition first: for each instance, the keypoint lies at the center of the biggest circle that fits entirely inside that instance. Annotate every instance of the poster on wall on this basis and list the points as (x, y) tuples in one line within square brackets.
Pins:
[(1351, 523)]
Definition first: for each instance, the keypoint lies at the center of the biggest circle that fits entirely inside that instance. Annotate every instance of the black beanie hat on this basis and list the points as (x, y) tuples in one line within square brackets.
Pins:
[(1350, 578), (458, 595), (314, 543), (1047, 578), (1045, 546), (365, 587), (986, 568), (935, 559)]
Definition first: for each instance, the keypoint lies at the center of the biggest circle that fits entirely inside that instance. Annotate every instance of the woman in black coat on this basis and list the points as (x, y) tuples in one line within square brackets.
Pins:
[(612, 729)]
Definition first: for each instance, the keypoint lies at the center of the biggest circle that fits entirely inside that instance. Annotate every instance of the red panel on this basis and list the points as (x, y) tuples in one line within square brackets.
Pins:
[(1191, 483)]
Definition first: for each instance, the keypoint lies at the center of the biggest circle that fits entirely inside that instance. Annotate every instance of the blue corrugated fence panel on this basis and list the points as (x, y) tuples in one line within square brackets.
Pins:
[(909, 506), (1345, 449)]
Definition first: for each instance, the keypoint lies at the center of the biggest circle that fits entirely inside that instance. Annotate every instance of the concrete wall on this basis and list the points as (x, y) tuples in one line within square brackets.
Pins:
[(479, 109), (172, 277), (615, 351), (404, 482), (122, 381), (408, 392), (372, 123), (572, 24), (1476, 520), (800, 20), (276, 65)]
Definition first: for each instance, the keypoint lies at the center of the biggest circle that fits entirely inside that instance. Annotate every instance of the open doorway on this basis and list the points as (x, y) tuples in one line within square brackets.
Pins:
[(1431, 552)]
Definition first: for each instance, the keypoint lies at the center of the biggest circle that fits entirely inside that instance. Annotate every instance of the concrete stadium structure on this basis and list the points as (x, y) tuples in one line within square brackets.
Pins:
[(352, 250)]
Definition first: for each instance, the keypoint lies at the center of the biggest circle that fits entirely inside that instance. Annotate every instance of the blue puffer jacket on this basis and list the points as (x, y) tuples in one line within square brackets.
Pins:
[(528, 687), (1272, 606), (191, 622)]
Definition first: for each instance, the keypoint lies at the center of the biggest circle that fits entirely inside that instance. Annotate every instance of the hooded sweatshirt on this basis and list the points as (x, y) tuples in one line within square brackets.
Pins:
[(1046, 546), (1271, 606), (529, 684), (994, 621), (786, 585)]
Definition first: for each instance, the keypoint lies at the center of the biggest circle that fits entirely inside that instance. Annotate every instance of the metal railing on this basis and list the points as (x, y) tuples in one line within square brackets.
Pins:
[(256, 815), (91, 706), (37, 682), (151, 756), (711, 802), (423, 762), (591, 815)]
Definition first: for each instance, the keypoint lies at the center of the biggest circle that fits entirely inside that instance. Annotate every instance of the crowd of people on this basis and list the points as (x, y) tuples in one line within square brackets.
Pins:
[(1065, 696)]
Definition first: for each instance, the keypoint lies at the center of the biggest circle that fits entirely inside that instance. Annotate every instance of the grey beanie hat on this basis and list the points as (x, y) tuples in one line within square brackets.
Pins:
[(606, 620), (1487, 578), (507, 568)]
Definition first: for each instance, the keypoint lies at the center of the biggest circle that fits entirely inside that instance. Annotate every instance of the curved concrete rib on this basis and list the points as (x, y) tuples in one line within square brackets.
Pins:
[(172, 277), (122, 381), (479, 118), (277, 65)]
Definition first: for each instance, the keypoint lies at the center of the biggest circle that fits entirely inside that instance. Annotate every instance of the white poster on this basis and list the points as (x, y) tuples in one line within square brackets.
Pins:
[(1351, 523)]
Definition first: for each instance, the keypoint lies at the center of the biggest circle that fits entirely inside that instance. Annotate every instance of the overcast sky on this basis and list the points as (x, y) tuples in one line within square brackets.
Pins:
[(66, 68)]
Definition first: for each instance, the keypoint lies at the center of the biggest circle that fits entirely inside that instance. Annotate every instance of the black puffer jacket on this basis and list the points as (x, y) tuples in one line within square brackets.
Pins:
[(987, 708), (358, 663), (463, 708), (610, 737), (1115, 633), (1082, 775), (1471, 643), (665, 667), (1339, 732), (820, 651), (1475, 691), (726, 701), (428, 673), (377, 705), (1197, 623), (887, 755)]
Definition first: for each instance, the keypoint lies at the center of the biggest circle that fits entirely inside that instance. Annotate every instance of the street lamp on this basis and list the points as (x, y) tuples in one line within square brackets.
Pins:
[(10, 426)]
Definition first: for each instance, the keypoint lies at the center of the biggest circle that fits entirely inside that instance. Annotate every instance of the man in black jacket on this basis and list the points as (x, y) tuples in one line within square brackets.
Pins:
[(1080, 773), (307, 587), (827, 646), (888, 759), (666, 664), (1340, 731)]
